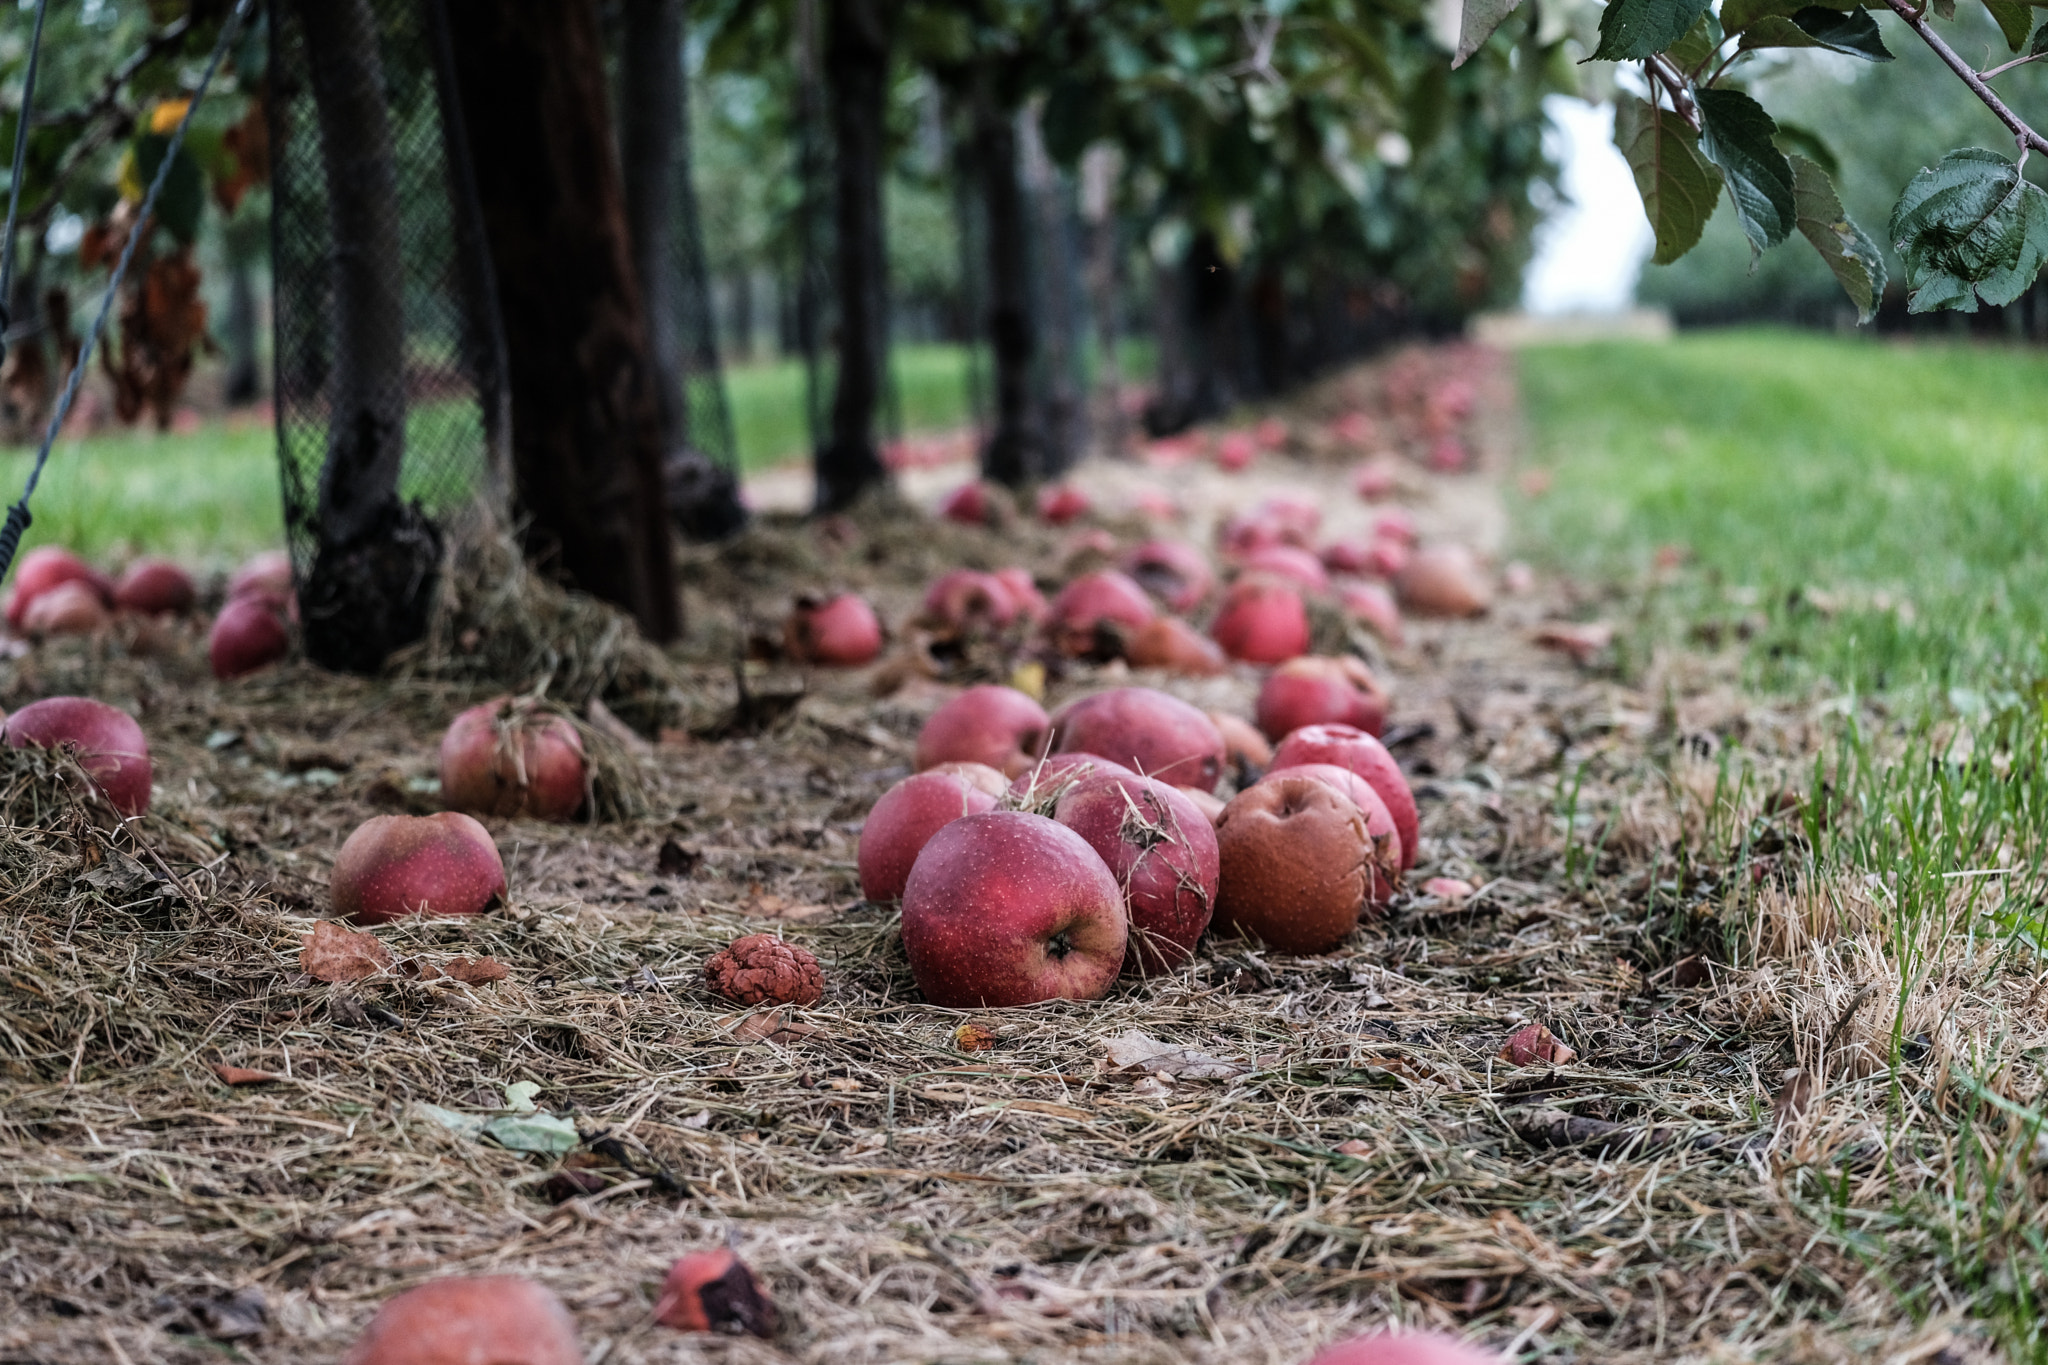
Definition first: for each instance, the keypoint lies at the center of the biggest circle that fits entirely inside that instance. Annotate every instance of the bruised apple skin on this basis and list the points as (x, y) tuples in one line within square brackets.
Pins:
[(839, 630), (1147, 731), (1293, 856), (111, 747), (1404, 1348), (991, 724), (905, 819), (1385, 864), (508, 758), (1010, 908), (399, 865), (499, 1319), (1161, 848), (1316, 690), (1362, 754)]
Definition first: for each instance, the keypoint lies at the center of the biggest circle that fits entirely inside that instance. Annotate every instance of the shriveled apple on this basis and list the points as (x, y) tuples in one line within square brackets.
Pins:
[(1092, 601), (1444, 580), (1384, 867), (510, 757), (1171, 644), (1161, 848), (904, 820), (1148, 731), (1317, 690), (1352, 748), (499, 1319), (838, 630), (1010, 908), (399, 865), (110, 747), (1294, 856), (249, 634), (991, 724), (715, 1291), (1261, 621)]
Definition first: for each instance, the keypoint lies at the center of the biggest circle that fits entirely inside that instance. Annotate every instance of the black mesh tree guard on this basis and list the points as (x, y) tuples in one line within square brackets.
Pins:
[(417, 370)]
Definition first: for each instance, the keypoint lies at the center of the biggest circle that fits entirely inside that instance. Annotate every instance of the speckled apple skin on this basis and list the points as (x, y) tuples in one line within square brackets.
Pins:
[(1294, 855), (1261, 622), (489, 1320), (112, 749), (904, 821), (1161, 848), (483, 773), (1056, 772), (1404, 1348), (1147, 731), (991, 724), (1348, 747), (986, 901), (398, 865)]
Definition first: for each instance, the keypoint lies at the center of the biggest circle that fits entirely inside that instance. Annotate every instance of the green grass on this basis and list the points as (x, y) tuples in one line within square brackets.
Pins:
[(768, 418)]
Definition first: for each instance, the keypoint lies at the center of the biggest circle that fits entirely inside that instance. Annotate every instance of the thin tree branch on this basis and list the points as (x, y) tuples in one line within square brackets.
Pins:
[(2029, 140), (1662, 71), (2000, 70)]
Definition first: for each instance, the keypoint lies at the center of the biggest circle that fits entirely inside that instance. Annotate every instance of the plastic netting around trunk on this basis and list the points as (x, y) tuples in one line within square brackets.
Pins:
[(391, 407)]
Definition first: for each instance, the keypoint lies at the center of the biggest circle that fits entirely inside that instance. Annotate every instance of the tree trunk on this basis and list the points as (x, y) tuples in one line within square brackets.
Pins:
[(650, 96), (1100, 168), (857, 37), (372, 576), (1063, 422), (586, 419), (1015, 452)]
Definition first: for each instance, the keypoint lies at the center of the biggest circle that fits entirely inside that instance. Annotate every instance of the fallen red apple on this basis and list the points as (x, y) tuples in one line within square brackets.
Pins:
[(838, 631), (1373, 607), (72, 607), (248, 634), (991, 724), (155, 586), (1385, 557), (1087, 549), (1318, 690), (1095, 600), (1289, 562), (499, 1319), (1448, 888), (1261, 621), (1247, 533), (1384, 866), (1060, 503), (1161, 848), (761, 969), (1448, 455), (399, 865), (1347, 556), (715, 1291), (903, 821), (1147, 731), (1235, 450), (1294, 855), (1375, 479), (1298, 518), (1010, 908), (1355, 428), (1243, 745), (1270, 433), (1395, 523), (1363, 754), (507, 757), (1031, 603), (1444, 580), (975, 775), (974, 504), (268, 571), (42, 569), (1055, 773), (110, 746), (1174, 571), (968, 601), (1173, 645), (1404, 1348)]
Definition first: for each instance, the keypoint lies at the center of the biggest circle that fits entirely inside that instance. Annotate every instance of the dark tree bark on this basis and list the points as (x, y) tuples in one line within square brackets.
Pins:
[(372, 577), (857, 38), (586, 420), (1100, 169), (650, 101), (1015, 453)]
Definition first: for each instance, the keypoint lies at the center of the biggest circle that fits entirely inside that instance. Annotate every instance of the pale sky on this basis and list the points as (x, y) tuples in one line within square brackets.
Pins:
[(1590, 250)]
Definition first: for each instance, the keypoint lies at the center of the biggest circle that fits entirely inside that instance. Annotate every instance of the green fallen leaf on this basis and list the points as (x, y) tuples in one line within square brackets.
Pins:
[(537, 1132), (519, 1096), (467, 1125)]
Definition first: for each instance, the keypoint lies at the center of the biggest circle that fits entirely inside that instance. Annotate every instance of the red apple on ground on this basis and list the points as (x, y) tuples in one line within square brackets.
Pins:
[(1161, 848), (72, 607), (508, 757), (1056, 772), (1174, 571), (154, 586), (398, 865), (1235, 450), (1243, 745), (1172, 644), (1448, 455), (991, 724), (1261, 621), (499, 1319), (1248, 533), (268, 571), (974, 504), (1104, 597), (1317, 690), (1355, 428), (1294, 855), (978, 775), (1375, 479), (1386, 862), (1147, 731), (1395, 523), (1060, 503), (1362, 754), (1385, 557), (111, 748), (1372, 606), (1444, 580), (1405, 1348), (1270, 433), (838, 631), (1289, 562), (903, 822), (1298, 518), (42, 569), (1009, 908), (248, 634), (961, 601), (1347, 556), (715, 1291), (1031, 603)]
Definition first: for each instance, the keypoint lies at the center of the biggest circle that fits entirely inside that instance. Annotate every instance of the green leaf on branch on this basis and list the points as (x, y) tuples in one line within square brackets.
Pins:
[(1946, 9), (1857, 263), (1735, 135), (1693, 51), (2014, 18), (1854, 34), (1633, 29), (1970, 229), (1678, 188), (2039, 46), (1476, 23), (184, 192)]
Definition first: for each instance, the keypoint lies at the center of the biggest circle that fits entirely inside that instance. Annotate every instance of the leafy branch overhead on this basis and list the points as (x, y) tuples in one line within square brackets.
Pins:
[(1971, 230)]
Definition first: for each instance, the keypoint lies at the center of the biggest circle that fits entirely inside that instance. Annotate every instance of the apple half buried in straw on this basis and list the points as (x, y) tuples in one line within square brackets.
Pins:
[(509, 757), (1009, 908), (110, 746)]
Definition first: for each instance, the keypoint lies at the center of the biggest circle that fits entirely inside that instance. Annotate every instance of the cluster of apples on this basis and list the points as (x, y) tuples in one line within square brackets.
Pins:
[(57, 593), (1039, 856)]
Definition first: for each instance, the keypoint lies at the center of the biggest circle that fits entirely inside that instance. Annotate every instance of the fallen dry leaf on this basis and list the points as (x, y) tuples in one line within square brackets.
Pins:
[(771, 1027), (1154, 1087), (1535, 1045), (242, 1075), (768, 905), (477, 971), (336, 953), (1583, 640), (1143, 1052), (1795, 1096), (1354, 1147)]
